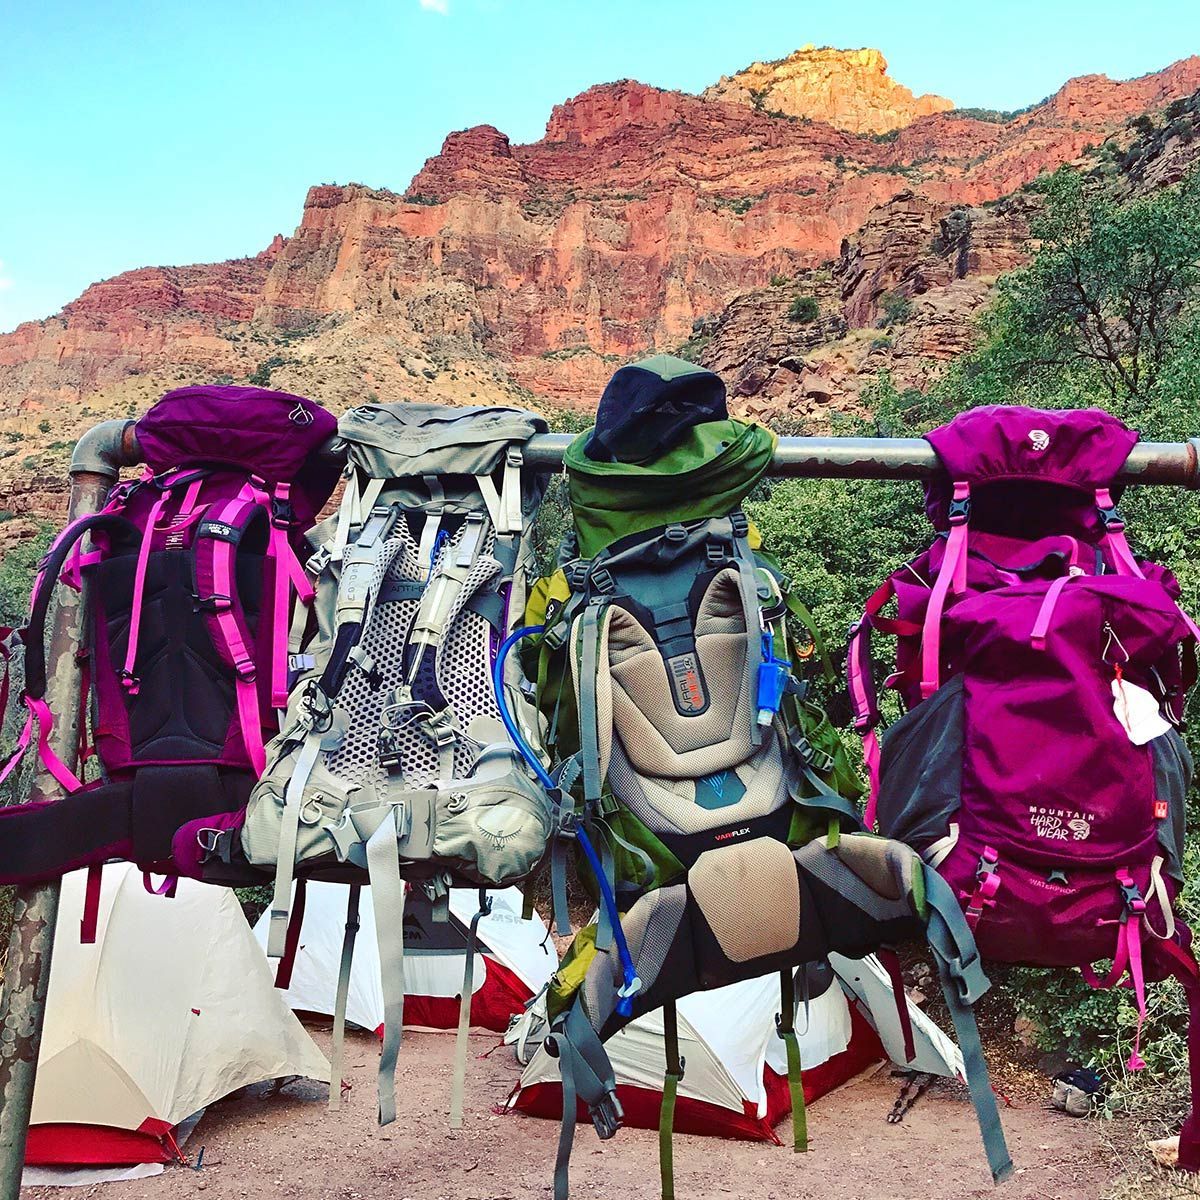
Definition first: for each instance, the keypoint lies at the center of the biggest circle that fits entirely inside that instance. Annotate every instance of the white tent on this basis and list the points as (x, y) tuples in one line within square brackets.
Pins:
[(516, 959), (170, 1009), (734, 1083)]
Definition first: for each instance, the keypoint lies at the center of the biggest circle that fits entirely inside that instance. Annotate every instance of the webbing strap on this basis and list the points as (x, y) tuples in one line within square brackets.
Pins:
[(338, 1053), (890, 962), (558, 887), (461, 1040), (752, 615), (586, 1075), (666, 1112), (785, 1024), (590, 632), (128, 677), (216, 580), (283, 972), (561, 1048), (387, 897), (1182, 965), (285, 855), (952, 575), (961, 973), (91, 905)]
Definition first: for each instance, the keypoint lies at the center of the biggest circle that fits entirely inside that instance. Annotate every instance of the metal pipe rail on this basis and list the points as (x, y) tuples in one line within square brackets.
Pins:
[(96, 464)]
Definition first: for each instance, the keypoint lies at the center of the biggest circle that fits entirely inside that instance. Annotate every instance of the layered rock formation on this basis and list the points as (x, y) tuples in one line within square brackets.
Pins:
[(641, 215), (849, 89)]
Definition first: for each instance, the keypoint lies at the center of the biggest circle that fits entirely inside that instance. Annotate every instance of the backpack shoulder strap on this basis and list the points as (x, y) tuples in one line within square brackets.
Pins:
[(218, 537), (33, 636)]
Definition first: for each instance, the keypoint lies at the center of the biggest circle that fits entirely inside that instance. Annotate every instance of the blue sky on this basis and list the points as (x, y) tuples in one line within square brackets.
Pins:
[(176, 132)]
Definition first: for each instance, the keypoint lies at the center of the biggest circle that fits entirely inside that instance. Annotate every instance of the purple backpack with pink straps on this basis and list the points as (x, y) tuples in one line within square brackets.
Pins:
[(1043, 670), (195, 590)]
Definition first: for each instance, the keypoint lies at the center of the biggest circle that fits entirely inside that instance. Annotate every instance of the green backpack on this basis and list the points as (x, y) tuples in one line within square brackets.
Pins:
[(714, 804)]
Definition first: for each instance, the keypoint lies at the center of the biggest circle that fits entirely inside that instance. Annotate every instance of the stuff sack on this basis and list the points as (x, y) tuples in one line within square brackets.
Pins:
[(1043, 668), (396, 762), (193, 589)]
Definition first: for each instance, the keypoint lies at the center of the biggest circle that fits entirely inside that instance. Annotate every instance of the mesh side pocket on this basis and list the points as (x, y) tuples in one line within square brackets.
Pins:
[(920, 776)]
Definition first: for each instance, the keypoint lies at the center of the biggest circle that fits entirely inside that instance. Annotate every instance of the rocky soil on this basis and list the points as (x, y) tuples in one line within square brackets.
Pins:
[(290, 1146)]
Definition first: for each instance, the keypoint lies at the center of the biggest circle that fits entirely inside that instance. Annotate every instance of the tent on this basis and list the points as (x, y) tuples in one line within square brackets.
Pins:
[(735, 1082), (516, 959), (170, 1009)]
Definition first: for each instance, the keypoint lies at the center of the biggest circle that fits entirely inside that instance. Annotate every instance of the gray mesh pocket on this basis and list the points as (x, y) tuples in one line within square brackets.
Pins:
[(920, 775), (1172, 777)]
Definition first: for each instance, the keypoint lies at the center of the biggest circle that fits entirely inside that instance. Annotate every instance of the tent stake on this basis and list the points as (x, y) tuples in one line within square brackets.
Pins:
[(95, 466)]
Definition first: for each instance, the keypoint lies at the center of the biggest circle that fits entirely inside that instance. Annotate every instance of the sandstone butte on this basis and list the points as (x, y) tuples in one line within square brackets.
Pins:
[(638, 219), (849, 89)]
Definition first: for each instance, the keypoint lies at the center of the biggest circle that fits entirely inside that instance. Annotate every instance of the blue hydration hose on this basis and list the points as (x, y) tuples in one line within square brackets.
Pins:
[(632, 983)]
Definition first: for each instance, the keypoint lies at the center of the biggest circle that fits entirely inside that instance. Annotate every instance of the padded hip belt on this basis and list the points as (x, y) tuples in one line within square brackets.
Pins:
[(131, 819)]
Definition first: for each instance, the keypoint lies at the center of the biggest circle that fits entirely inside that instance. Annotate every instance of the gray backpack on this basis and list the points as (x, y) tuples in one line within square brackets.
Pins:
[(396, 762)]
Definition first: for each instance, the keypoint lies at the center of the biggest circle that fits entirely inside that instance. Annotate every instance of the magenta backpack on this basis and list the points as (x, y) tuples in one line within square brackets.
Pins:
[(195, 587), (1043, 669)]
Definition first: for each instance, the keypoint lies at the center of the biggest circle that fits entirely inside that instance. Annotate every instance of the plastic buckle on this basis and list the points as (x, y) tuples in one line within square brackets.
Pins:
[(389, 749), (675, 533), (607, 1116), (576, 574), (130, 682), (215, 603), (960, 511), (740, 524), (1132, 896), (989, 861), (318, 561), (602, 580), (715, 553), (1111, 518), (283, 515)]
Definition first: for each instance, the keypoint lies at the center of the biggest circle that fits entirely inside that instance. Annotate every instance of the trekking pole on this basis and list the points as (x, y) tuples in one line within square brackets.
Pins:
[(904, 458), (95, 465)]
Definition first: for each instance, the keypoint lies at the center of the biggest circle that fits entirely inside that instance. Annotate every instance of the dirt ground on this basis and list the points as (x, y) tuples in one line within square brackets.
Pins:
[(289, 1145)]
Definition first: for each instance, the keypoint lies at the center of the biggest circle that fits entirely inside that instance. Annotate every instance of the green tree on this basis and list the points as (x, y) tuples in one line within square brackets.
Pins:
[(1108, 301)]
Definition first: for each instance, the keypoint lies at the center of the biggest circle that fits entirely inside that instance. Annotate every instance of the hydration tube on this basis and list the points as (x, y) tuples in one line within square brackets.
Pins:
[(632, 983)]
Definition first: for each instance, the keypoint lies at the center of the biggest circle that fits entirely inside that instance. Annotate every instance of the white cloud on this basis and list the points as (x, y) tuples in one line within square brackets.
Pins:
[(5, 282), (437, 6)]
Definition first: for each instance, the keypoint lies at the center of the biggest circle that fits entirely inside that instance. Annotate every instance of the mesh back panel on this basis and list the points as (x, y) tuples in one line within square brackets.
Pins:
[(463, 671), (722, 882)]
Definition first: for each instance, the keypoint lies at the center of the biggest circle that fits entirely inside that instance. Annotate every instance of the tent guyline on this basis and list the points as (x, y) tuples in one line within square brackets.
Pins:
[(99, 457)]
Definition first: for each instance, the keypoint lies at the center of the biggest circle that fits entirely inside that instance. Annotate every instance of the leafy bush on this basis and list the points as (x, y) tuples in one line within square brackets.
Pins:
[(778, 281), (896, 308), (43, 426), (804, 310)]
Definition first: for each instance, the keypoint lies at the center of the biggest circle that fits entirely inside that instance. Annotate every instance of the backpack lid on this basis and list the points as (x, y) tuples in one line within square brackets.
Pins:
[(705, 476), (395, 441), (1079, 449), (270, 434), (649, 406)]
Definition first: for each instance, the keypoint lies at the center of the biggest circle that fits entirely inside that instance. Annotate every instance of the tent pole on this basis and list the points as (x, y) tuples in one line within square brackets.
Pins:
[(94, 468)]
